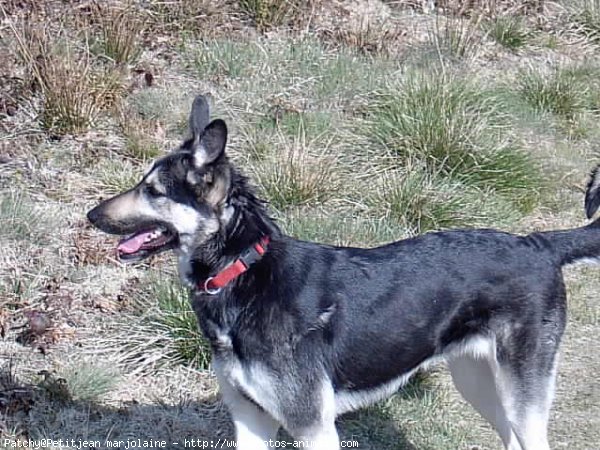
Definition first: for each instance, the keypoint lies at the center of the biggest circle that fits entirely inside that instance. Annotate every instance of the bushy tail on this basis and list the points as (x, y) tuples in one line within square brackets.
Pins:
[(581, 243), (592, 194)]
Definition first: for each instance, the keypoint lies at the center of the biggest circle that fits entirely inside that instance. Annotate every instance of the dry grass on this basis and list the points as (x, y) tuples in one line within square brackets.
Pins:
[(455, 39), (121, 29), (268, 14), (73, 87)]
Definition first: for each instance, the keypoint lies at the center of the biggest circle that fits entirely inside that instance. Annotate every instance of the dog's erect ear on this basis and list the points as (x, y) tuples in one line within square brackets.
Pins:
[(199, 117), (210, 145)]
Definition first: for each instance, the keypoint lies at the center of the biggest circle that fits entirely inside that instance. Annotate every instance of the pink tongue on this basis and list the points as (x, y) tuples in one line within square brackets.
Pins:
[(133, 244)]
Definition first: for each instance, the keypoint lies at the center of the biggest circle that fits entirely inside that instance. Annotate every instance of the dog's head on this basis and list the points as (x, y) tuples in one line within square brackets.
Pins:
[(180, 201)]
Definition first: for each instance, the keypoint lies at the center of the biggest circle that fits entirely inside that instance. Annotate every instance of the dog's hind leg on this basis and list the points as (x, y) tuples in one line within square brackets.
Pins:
[(475, 380), (528, 401)]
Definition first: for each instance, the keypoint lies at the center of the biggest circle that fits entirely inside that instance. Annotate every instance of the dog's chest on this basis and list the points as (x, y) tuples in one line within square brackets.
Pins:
[(252, 380)]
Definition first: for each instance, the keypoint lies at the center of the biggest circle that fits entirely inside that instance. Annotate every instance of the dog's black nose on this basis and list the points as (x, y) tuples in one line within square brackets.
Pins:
[(92, 215)]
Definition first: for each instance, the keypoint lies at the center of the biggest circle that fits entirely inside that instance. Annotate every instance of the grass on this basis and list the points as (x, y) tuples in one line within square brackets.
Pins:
[(420, 201), (121, 29), (75, 90), (341, 228), (116, 176), (79, 381), (166, 333), (558, 92), (569, 94), (508, 31), (368, 38), (392, 424), (292, 122), (185, 17), (140, 144), (21, 219), (268, 14), (455, 39), (288, 71), (301, 172), (455, 130), (586, 15)]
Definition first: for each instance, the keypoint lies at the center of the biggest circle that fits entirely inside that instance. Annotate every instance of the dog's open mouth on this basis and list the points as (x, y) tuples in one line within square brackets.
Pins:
[(145, 243)]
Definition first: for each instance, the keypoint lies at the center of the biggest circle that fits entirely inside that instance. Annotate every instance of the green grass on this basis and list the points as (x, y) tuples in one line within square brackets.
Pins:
[(571, 95), (117, 175), (508, 31), (167, 331), (457, 131), (586, 15), (223, 58), (291, 123), (340, 227), (299, 172), (268, 14), (420, 201), (121, 29), (454, 38), (559, 92), (80, 381), (20, 219), (278, 71), (413, 417)]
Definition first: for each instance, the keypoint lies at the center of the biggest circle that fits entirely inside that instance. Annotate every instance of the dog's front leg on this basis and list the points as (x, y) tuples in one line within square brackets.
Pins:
[(254, 428), (323, 438), (321, 434)]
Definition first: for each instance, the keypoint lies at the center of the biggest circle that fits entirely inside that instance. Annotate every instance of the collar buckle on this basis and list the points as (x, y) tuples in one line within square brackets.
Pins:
[(213, 285), (208, 290)]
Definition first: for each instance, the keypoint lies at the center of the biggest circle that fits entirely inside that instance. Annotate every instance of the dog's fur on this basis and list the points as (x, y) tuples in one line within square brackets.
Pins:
[(311, 331)]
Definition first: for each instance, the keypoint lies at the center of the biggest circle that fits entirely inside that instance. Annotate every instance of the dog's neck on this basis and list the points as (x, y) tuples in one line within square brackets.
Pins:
[(245, 221)]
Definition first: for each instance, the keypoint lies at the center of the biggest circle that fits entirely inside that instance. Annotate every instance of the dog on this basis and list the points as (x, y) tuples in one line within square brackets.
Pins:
[(302, 332)]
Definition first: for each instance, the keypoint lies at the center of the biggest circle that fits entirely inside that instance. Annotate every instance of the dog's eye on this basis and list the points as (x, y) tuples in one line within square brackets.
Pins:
[(152, 191)]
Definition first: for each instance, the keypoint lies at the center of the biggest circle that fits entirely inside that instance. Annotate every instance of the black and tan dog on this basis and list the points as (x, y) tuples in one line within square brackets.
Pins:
[(302, 332)]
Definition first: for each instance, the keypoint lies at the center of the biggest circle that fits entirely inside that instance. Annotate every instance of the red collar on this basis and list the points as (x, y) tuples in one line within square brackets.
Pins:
[(213, 285)]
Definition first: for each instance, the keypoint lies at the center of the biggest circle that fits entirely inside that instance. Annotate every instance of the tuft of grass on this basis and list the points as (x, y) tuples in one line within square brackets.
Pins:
[(116, 176), (292, 70), (20, 220), (223, 58), (139, 142), (586, 15), (456, 131), (405, 420), (268, 14), (559, 92), (420, 201), (313, 123), (121, 29), (168, 332), (176, 316), (74, 89), (80, 381), (298, 175), (455, 38), (508, 31), (183, 18)]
